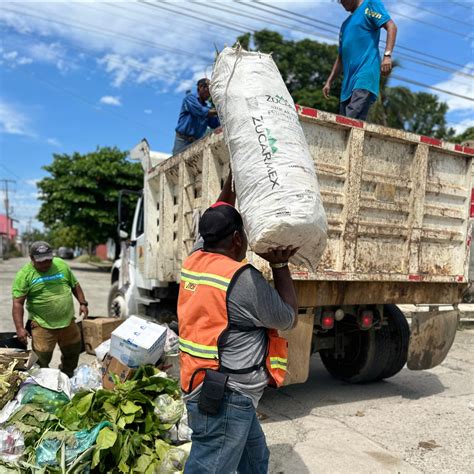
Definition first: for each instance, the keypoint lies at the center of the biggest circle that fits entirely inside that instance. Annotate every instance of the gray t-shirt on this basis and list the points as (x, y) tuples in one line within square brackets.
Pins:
[(253, 304)]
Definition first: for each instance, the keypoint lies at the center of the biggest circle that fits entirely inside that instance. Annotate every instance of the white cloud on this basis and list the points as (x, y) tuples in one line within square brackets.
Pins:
[(13, 58), (51, 53), (148, 111), (13, 121), (466, 89), (54, 142), (110, 100), (32, 182), (460, 127)]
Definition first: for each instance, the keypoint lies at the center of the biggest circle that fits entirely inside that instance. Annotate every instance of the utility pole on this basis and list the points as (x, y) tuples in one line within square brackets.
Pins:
[(6, 203)]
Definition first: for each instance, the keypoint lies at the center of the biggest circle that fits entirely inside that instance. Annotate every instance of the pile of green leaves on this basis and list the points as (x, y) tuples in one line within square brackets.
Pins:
[(135, 441), (10, 380)]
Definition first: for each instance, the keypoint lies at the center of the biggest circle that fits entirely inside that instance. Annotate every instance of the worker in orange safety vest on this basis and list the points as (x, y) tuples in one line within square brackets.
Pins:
[(230, 349)]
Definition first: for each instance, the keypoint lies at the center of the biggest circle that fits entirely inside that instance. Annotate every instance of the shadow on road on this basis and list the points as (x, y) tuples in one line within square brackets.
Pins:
[(286, 452), (322, 390)]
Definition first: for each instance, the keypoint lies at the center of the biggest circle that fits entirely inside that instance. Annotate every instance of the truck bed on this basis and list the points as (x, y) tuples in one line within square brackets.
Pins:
[(397, 205)]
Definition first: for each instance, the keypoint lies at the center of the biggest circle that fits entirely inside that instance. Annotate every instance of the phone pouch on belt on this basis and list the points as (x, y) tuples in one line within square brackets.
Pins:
[(212, 392)]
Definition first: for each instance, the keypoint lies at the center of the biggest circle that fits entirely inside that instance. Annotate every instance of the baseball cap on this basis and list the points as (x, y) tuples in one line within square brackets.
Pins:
[(41, 251), (219, 221)]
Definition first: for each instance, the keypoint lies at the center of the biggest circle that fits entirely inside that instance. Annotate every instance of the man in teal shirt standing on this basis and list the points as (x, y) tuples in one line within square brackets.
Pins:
[(359, 57), (47, 284)]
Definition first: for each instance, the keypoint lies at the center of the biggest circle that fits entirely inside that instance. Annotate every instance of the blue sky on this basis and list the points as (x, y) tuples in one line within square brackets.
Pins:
[(77, 75)]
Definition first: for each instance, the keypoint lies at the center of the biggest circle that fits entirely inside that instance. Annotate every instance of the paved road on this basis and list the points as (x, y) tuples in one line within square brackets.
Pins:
[(326, 426)]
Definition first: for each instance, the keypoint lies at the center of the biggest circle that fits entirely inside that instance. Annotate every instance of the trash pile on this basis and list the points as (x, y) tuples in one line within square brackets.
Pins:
[(52, 424)]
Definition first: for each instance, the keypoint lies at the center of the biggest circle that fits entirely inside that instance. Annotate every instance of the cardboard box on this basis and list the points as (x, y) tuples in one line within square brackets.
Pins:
[(138, 342), (97, 330), (113, 366)]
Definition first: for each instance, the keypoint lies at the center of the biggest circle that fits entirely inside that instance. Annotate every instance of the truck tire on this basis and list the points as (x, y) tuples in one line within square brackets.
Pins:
[(399, 333), (365, 358), (116, 305)]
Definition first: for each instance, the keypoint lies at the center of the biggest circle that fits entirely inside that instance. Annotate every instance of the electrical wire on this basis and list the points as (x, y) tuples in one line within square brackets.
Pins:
[(191, 54), (433, 25), (337, 28), (432, 12), (459, 4), (421, 84), (161, 7), (105, 32), (405, 56), (81, 98)]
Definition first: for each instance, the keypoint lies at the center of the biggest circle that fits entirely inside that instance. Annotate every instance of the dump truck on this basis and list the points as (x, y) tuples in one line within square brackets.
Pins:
[(397, 206)]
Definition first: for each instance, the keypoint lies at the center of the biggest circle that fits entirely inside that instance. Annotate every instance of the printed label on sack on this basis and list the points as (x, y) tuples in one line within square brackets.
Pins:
[(268, 148)]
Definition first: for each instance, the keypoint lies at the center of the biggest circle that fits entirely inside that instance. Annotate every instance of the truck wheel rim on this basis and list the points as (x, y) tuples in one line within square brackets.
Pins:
[(118, 307)]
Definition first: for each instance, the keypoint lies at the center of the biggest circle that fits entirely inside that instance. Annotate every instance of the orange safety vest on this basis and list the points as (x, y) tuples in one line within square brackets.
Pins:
[(202, 315)]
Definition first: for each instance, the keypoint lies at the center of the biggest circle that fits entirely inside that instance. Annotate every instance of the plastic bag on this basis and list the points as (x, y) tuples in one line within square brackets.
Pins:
[(53, 379), (167, 409), (102, 350), (172, 341), (274, 172), (174, 461), (12, 444), (181, 431), (77, 443), (48, 399), (85, 377)]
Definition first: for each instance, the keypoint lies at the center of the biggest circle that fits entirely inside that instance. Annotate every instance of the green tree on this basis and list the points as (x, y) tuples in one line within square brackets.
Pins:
[(306, 64), (466, 136), (79, 198), (34, 235)]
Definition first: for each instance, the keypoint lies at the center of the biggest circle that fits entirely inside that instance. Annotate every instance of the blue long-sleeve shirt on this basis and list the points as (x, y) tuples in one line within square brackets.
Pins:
[(193, 117)]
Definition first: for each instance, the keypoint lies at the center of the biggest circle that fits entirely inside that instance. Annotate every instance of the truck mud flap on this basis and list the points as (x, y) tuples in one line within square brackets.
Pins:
[(431, 338), (299, 347)]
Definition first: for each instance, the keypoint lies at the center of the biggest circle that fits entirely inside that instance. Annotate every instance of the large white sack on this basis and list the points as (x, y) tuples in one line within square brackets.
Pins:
[(275, 178)]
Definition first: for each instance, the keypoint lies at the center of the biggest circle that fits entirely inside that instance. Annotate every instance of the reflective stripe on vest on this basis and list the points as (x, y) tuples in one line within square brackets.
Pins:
[(278, 363), (198, 350), (209, 279)]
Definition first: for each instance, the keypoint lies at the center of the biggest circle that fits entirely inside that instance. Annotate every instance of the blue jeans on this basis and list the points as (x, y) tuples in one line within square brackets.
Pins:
[(230, 441), (179, 145), (357, 105)]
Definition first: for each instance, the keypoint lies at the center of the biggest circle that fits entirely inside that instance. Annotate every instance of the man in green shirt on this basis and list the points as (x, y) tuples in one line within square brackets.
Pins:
[(47, 285)]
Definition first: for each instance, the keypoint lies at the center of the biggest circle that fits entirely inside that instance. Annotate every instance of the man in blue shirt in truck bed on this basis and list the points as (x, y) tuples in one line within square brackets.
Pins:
[(194, 118), (359, 56)]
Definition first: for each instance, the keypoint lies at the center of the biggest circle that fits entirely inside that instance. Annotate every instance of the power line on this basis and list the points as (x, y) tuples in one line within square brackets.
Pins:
[(83, 99), (421, 84), (9, 171), (337, 28), (433, 25), (115, 6), (459, 4), (432, 12), (161, 7), (191, 54), (408, 57), (92, 54), (105, 32)]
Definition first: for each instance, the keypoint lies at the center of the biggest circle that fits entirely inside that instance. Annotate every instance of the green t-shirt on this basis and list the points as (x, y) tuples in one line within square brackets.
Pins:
[(48, 295)]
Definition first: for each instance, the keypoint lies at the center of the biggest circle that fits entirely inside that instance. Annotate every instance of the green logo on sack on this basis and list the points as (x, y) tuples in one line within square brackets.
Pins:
[(271, 141)]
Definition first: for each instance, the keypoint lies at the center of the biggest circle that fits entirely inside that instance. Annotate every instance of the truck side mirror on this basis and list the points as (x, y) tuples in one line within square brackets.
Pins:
[(123, 234)]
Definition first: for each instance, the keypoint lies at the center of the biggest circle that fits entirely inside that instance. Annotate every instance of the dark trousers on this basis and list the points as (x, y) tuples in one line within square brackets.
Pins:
[(358, 104), (69, 341)]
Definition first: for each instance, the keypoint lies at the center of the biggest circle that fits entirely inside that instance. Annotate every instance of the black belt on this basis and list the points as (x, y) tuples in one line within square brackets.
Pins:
[(188, 138)]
